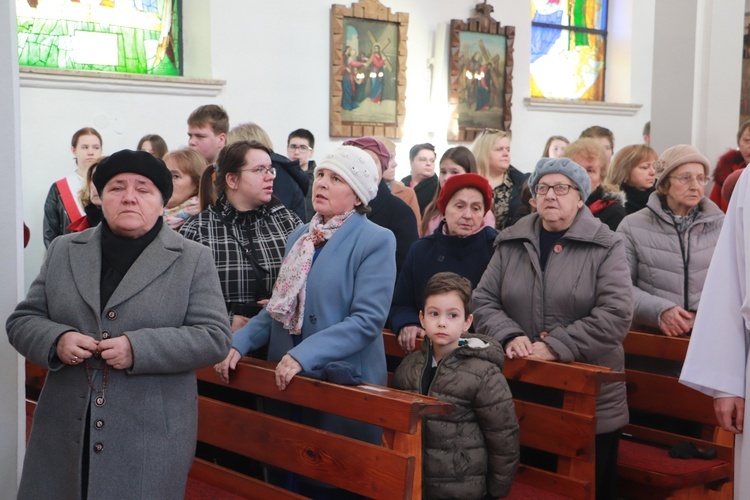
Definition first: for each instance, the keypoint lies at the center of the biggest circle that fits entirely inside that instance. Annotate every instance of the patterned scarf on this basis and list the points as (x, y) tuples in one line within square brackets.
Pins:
[(176, 216), (287, 304)]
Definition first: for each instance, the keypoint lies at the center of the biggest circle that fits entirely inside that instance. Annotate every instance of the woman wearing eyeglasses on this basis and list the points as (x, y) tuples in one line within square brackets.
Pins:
[(246, 228), (553, 291), (670, 243)]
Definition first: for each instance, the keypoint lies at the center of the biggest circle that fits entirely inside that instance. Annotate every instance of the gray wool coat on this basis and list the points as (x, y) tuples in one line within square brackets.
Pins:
[(142, 439), (583, 300)]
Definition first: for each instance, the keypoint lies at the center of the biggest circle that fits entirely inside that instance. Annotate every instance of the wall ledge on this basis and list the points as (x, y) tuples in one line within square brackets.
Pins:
[(587, 107), (98, 81)]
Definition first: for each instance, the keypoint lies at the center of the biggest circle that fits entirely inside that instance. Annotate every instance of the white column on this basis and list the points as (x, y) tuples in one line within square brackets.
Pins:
[(12, 408), (697, 72)]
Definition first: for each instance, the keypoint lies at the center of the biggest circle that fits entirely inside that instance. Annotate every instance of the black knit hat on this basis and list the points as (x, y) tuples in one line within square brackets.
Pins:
[(136, 162)]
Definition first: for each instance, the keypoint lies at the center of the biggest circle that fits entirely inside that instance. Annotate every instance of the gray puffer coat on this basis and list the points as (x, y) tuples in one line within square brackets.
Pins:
[(582, 300), (474, 450), (667, 270)]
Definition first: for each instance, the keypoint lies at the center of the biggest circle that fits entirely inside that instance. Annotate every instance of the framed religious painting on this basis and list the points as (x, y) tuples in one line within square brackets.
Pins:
[(481, 73), (368, 70)]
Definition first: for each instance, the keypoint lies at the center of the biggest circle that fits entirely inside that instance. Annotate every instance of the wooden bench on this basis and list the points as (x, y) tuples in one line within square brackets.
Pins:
[(392, 470), (644, 466), (567, 432)]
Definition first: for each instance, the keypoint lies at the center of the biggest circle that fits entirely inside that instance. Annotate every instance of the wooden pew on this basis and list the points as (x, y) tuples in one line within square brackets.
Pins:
[(644, 465), (568, 432), (389, 471), (393, 470)]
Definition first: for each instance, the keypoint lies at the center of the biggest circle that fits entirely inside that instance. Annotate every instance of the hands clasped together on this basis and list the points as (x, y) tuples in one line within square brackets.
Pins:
[(522, 347), (74, 348)]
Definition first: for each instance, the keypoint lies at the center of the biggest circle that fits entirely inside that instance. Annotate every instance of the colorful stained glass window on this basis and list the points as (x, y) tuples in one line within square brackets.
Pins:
[(122, 36), (568, 47)]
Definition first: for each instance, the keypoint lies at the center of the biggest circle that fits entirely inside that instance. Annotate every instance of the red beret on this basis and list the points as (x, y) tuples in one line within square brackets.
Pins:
[(729, 183), (460, 181), (374, 145)]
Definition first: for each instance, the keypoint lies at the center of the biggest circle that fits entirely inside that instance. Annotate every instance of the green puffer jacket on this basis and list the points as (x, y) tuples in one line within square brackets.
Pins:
[(474, 450)]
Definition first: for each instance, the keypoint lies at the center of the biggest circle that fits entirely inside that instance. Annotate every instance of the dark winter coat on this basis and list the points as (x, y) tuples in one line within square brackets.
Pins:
[(392, 213), (433, 254), (636, 199), (607, 206), (309, 210), (474, 450), (582, 299), (291, 184), (425, 190), (515, 204), (56, 218)]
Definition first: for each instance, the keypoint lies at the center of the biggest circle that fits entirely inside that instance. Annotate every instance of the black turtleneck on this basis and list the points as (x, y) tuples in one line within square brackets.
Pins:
[(118, 255), (636, 198)]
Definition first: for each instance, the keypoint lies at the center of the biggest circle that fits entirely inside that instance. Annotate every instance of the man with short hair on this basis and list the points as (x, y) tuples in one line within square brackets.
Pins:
[(207, 129), (299, 146)]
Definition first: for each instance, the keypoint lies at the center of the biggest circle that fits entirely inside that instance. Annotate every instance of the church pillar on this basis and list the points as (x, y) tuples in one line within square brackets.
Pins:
[(697, 70), (12, 407)]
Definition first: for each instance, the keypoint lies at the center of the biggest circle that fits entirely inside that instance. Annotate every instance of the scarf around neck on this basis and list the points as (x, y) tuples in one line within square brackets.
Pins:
[(176, 216), (287, 304)]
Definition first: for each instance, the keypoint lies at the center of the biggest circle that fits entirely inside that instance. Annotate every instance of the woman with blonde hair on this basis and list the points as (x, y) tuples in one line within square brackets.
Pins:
[(291, 182), (186, 166), (632, 169), (492, 152), (90, 200)]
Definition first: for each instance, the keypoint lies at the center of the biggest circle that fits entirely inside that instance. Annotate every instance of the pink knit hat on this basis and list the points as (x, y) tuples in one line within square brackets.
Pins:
[(374, 145), (677, 156)]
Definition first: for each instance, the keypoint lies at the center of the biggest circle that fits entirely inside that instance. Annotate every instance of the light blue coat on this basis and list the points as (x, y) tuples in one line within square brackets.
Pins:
[(349, 291)]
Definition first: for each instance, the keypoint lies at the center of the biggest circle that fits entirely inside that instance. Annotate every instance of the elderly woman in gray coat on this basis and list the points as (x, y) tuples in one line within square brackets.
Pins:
[(121, 315), (553, 290), (669, 244)]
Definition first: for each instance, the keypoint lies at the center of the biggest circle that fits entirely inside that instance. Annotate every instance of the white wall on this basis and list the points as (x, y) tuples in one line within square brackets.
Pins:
[(12, 408), (275, 60)]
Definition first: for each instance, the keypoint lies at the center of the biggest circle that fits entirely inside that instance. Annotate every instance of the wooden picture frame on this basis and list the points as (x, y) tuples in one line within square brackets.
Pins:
[(481, 75), (368, 70)]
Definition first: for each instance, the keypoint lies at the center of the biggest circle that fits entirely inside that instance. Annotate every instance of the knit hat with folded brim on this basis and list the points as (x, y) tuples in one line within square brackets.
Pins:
[(677, 156), (357, 168), (566, 167), (136, 162)]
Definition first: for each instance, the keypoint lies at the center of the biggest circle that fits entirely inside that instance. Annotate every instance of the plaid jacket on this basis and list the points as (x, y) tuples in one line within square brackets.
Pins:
[(268, 227)]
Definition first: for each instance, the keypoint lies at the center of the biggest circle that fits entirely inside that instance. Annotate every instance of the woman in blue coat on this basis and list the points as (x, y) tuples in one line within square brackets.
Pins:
[(334, 289)]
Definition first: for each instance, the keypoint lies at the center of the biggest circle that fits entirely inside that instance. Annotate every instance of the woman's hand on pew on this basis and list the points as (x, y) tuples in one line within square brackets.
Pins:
[(519, 347), (407, 337), (676, 321), (540, 350), (730, 412), (287, 368), (230, 362)]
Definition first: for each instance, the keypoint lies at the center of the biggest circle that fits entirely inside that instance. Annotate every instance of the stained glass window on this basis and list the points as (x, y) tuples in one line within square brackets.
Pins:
[(568, 46), (123, 36)]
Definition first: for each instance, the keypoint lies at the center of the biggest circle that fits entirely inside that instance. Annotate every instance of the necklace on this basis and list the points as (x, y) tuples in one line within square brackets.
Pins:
[(100, 400)]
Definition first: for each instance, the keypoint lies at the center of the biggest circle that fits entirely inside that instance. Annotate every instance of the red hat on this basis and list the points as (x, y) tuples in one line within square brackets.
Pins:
[(374, 145), (460, 181), (729, 183)]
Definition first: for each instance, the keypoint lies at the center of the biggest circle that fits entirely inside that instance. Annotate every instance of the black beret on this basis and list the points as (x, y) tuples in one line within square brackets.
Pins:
[(135, 162)]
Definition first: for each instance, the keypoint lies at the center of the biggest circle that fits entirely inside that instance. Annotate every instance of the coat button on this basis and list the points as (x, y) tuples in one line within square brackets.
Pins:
[(99, 401), (313, 319), (557, 248), (98, 447), (111, 314), (99, 424), (105, 334)]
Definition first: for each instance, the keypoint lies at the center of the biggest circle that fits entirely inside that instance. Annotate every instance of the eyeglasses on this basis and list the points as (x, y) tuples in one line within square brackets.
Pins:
[(490, 131), (301, 148), (260, 170), (558, 189), (687, 179)]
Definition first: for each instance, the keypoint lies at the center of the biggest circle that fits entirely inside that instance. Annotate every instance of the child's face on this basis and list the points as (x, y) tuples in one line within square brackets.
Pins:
[(444, 320)]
